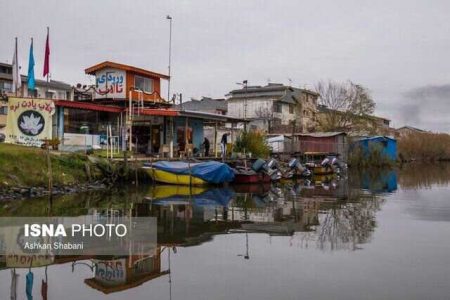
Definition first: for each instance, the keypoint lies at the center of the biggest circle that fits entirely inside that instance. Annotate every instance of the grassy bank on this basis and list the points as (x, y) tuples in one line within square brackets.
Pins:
[(27, 166)]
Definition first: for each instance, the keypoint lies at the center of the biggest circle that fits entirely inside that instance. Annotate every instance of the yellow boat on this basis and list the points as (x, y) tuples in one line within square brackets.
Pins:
[(189, 173), (172, 178)]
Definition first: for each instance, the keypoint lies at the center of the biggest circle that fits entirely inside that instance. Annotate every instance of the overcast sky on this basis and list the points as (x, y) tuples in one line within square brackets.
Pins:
[(399, 49)]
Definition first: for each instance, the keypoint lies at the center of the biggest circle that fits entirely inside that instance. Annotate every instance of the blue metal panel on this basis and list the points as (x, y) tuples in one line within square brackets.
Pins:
[(389, 145)]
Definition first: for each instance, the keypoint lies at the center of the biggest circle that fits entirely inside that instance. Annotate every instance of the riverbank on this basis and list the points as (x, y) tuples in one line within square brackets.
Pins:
[(25, 172)]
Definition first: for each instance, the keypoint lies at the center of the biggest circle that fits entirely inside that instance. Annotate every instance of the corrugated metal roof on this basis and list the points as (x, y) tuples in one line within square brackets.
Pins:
[(204, 104)]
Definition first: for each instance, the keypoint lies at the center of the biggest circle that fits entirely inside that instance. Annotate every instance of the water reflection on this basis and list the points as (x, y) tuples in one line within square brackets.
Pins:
[(328, 213), (424, 175)]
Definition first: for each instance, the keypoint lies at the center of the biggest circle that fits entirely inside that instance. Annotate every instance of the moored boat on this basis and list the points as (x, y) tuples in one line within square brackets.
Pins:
[(246, 175), (190, 173)]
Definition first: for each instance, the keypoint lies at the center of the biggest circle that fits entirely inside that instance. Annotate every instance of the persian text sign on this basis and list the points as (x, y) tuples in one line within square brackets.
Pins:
[(29, 121), (110, 83)]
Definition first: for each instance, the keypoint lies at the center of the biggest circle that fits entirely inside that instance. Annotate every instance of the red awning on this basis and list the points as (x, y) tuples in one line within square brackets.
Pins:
[(88, 106), (157, 112)]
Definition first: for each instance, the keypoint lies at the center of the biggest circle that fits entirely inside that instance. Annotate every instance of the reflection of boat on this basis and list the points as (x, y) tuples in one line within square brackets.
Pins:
[(203, 197), (185, 173), (322, 170), (167, 191), (252, 188)]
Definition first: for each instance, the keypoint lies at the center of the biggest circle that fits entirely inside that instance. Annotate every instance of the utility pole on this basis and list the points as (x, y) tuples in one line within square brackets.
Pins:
[(168, 88)]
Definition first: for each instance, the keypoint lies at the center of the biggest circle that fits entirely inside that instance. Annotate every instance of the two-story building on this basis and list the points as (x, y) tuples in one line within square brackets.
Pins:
[(125, 106), (52, 89), (274, 105)]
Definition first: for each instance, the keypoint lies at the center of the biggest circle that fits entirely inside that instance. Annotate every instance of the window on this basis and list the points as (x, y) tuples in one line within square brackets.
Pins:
[(144, 84), (33, 93), (62, 95), (291, 108), (6, 86), (48, 95), (277, 107), (3, 110)]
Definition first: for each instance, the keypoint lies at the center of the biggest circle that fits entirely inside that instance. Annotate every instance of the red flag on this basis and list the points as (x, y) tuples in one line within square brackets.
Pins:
[(47, 55)]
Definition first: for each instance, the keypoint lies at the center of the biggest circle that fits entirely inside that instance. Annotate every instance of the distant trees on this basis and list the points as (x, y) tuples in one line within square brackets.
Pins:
[(345, 106)]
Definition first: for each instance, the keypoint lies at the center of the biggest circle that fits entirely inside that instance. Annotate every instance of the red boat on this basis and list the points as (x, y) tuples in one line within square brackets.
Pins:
[(242, 175)]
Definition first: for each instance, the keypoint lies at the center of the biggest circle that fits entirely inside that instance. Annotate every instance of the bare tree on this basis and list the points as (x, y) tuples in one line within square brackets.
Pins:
[(345, 106)]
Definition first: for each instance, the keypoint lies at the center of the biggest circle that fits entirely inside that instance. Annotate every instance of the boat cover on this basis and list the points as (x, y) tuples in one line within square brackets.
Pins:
[(210, 171)]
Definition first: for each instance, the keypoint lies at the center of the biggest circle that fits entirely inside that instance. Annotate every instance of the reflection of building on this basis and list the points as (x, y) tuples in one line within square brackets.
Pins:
[(125, 273)]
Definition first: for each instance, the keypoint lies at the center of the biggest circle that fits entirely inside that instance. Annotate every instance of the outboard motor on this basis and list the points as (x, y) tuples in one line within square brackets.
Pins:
[(258, 165), (295, 164), (325, 162)]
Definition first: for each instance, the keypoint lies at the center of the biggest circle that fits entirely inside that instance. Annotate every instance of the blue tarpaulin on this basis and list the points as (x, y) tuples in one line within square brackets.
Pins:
[(210, 171)]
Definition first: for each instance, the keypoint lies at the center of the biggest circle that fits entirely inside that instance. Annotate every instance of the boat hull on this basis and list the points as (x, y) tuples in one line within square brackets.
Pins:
[(172, 178), (253, 178)]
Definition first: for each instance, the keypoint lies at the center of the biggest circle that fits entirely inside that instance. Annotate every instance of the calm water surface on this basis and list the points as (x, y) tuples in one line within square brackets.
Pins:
[(367, 236)]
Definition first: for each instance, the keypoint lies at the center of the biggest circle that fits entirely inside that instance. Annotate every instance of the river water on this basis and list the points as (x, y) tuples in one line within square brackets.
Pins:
[(378, 235)]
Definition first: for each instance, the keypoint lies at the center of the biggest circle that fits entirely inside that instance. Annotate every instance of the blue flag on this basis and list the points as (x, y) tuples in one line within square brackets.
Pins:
[(31, 82)]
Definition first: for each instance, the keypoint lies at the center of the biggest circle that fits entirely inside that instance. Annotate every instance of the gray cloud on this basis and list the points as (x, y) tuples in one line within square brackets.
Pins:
[(427, 106)]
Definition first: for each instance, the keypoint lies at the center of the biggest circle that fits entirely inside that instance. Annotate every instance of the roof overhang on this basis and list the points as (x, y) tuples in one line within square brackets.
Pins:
[(88, 106), (108, 64), (157, 112), (210, 116)]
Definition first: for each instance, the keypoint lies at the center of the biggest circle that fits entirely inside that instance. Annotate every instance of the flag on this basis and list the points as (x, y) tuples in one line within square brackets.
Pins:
[(31, 82), (17, 82), (47, 55)]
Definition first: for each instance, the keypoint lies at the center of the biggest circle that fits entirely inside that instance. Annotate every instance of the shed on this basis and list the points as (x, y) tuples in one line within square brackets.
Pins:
[(387, 144), (277, 143)]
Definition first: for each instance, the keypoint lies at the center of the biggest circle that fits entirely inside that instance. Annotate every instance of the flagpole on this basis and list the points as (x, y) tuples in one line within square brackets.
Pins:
[(32, 94), (48, 37), (16, 66)]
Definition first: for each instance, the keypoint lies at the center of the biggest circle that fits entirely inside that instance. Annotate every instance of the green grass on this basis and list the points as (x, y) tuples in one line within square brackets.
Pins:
[(27, 166)]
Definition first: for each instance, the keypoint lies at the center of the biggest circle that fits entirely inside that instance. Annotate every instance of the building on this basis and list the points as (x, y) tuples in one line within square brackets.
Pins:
[(53, 89), (205, 104), (212, 106), (117, 82), (126, 109), (313, 143), (274, 105), (387, 145), (332, 119), (407, 130)]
